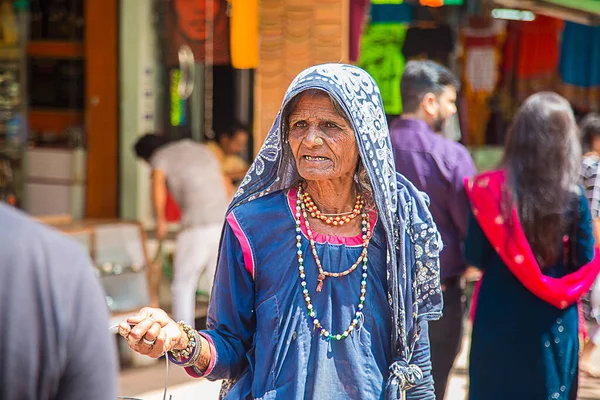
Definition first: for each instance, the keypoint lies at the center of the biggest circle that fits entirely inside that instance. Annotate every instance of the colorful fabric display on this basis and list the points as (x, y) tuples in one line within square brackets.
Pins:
[(531, 55), (482, 57), (580, 66), (382, 58)]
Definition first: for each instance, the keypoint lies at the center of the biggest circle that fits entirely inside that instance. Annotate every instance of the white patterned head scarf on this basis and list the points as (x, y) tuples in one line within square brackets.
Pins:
[(413, 262)]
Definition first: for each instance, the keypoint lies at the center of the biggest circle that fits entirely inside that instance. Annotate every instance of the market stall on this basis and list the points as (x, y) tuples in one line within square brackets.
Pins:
[(502, 50)]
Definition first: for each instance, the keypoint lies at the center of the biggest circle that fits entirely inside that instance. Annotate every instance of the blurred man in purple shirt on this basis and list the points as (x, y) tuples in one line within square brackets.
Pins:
[(437, 166)]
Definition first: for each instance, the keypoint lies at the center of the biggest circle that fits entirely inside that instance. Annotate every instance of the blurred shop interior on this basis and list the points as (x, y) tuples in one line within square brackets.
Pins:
[(70, 69), (81, 80)]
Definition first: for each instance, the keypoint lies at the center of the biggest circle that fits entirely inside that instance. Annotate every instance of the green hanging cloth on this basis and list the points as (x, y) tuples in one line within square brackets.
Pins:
[(381, 56)]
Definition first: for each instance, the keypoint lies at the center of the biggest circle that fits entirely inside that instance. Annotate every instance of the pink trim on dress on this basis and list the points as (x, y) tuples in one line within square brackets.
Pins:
[(323, 238), (241, 236), (213, 359)]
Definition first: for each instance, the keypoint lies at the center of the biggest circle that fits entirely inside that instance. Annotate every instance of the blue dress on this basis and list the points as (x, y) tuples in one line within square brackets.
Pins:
[(522, 347), (262, 338)]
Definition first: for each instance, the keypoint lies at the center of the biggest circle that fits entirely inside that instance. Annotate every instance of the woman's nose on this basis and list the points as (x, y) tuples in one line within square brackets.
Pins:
[(312, 135)]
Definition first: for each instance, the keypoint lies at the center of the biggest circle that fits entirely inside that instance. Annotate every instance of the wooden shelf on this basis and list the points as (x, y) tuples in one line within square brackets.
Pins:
[(55, 49)]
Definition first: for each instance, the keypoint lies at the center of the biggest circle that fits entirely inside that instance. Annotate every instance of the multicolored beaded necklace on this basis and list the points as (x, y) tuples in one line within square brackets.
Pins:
[(366, 236), (333, 219)]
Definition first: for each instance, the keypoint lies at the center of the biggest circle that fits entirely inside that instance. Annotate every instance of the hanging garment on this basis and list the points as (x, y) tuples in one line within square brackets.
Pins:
[(381, 57), (580, 66), (244, 33), (481, 58), (185, 24), (391, 13), (532, 55), (358, 14)]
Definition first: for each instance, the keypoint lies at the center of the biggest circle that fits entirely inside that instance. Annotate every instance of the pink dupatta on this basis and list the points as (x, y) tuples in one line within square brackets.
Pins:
[(508, 239)]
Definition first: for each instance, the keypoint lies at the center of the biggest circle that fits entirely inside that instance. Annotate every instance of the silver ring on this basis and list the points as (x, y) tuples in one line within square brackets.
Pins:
[(148, 342)]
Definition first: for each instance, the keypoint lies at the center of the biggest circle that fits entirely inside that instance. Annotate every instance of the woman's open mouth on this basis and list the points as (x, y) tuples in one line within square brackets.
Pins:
[(315, 158)]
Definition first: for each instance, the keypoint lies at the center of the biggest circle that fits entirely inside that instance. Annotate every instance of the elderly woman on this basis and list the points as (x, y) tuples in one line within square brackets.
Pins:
[(328, 270)]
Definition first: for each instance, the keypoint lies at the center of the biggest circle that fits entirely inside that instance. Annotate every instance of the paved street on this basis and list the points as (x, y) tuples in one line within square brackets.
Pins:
[(147, 383)]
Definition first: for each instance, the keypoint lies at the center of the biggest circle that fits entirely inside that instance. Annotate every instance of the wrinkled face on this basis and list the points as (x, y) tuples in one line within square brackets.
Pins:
[(321, 140)]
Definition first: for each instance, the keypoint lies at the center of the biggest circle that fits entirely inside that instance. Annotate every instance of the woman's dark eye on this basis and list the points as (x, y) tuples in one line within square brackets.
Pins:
[(300, 124), (330, 125)]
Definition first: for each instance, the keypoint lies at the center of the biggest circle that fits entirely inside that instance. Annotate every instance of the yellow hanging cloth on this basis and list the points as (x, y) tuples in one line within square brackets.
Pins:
[(244, 33)]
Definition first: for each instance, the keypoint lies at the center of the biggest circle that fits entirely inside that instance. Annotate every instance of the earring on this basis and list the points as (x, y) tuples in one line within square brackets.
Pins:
[(318, 141)]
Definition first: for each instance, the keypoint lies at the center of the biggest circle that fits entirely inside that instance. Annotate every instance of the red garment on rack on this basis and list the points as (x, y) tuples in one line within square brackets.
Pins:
[(358, 13), (531, 54)]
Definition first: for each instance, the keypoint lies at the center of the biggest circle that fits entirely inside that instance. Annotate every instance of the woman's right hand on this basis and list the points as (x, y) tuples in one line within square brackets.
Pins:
[(152, 332)]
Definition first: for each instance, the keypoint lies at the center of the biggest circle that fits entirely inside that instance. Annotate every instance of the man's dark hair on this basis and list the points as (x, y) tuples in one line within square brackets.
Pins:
[(146, 145), (422, 77), (231, 130), (590, 130)]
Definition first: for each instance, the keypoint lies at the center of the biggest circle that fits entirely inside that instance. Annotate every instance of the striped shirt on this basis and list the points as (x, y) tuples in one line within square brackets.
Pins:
[(590, 179)]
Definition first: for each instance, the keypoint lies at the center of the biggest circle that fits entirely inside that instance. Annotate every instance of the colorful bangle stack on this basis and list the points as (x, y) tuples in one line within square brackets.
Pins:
[(188, 356)]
